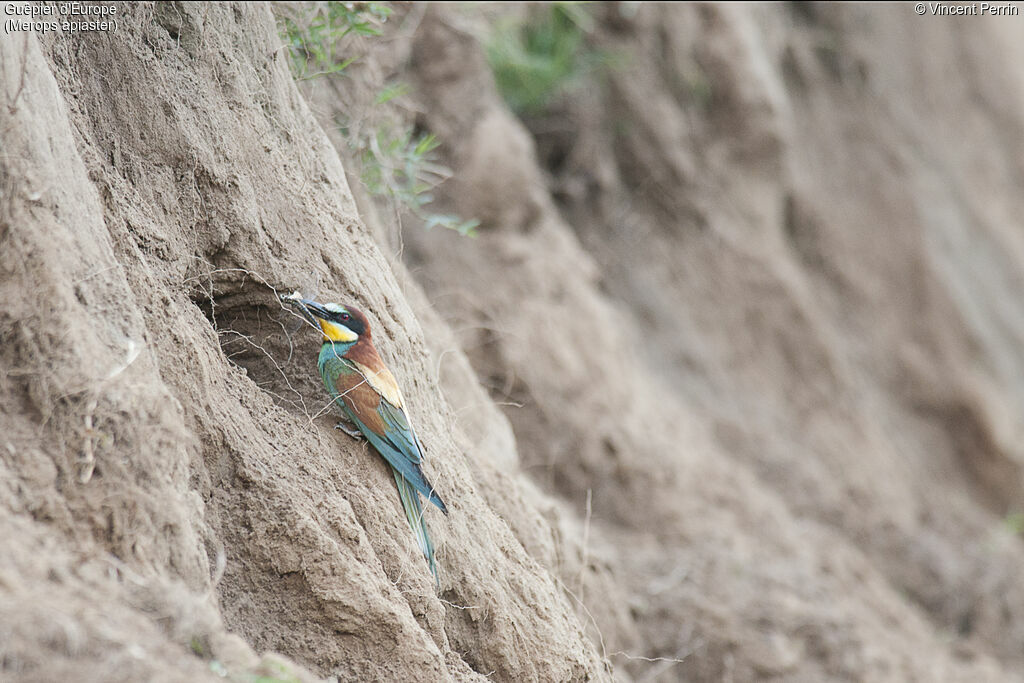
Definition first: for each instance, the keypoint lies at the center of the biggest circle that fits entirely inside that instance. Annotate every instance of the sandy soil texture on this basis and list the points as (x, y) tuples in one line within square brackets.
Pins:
[(728, 386)]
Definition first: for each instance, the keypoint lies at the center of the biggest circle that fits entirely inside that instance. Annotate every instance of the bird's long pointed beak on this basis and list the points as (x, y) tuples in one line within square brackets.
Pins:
[(315, 308), (310, 310)]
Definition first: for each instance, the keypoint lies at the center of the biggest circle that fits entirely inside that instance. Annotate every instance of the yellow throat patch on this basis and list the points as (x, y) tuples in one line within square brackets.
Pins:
[(337, 333)]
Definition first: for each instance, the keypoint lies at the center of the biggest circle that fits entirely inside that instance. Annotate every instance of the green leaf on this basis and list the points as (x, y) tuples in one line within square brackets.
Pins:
[(391, 92), (428, 143)]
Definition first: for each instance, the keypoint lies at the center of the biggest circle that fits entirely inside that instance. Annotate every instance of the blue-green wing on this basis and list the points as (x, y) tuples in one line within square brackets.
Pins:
[(398, 443), (400, 431)]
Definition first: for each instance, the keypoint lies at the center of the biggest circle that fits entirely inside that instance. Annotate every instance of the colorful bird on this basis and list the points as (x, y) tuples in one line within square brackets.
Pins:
[(368, 395)]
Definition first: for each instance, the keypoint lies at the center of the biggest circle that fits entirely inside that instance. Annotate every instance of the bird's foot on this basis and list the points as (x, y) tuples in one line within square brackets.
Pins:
[(350, 430)]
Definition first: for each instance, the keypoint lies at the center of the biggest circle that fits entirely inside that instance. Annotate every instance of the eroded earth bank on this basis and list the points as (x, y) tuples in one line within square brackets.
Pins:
[(727, 386)]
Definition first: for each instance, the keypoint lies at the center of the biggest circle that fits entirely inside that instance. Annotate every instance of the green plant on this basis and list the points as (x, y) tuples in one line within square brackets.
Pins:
[(397, 166), (392, 91), (402, 166), (278, 673), (197, 646), (314, 34), (539, 59), (1014, 523)]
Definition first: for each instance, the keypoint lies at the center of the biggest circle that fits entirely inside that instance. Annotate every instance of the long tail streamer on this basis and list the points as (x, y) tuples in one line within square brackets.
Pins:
[(414, 513)]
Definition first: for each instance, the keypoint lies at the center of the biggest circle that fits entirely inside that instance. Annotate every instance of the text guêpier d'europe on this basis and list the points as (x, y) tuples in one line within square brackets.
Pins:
[(68, 17)]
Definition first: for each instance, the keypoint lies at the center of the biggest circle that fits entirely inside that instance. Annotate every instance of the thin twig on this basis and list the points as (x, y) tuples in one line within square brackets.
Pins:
[(586, 541), (12, 105)]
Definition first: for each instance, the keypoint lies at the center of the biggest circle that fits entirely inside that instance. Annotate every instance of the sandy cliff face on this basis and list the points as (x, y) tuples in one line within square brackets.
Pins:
[(157, 184), (728, 385)]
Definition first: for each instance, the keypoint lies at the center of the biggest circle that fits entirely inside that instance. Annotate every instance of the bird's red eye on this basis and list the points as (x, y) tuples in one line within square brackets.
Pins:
[(346, 317)]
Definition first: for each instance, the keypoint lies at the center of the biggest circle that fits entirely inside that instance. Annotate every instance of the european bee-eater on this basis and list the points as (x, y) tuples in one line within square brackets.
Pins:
[(368, 395)]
